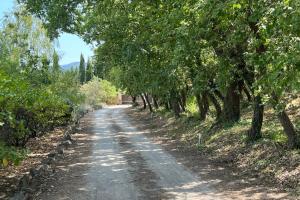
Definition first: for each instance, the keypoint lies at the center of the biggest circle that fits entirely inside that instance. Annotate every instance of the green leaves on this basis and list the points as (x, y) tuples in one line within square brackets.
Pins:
[(98, 92), (34, 94), (156, 47), (236, 6), (11, 155)]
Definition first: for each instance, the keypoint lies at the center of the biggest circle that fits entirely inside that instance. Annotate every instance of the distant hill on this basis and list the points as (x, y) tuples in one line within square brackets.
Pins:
[(73, 65)]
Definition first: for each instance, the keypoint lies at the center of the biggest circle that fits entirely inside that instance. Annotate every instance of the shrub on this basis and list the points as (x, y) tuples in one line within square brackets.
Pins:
[(11, 155), (26, 111), (98, 92)]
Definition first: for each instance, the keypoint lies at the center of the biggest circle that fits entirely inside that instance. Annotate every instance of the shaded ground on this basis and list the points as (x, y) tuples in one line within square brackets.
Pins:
[(113, 159), (267, 161), (38, 149), (231, 184)]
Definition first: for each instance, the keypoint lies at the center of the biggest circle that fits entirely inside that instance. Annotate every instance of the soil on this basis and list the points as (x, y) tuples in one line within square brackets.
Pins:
[(231, 183), (38, 149), (123, 154)]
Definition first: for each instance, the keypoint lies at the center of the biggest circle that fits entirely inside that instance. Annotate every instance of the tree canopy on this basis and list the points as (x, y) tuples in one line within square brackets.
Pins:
[(217, 51)]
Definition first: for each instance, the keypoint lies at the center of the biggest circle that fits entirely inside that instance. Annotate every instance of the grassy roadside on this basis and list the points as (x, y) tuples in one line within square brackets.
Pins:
[(267, 159)]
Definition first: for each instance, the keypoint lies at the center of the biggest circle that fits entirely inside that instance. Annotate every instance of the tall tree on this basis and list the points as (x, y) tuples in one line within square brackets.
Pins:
[(82, 74), (55, 64), (89, 71)]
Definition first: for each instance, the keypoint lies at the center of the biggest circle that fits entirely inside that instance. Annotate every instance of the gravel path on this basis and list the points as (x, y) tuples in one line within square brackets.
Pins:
[(115, 161)]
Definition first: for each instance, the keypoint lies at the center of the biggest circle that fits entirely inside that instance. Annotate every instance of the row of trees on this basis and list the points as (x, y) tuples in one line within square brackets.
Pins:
[(86, 71), (221, 52)]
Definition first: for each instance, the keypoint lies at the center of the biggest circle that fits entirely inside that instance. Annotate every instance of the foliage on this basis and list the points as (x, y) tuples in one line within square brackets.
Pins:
[(191, 105), (35, 95), (89, 71), (214, 50), (11, 154), (55, 64), (98, 92), (82, 71)]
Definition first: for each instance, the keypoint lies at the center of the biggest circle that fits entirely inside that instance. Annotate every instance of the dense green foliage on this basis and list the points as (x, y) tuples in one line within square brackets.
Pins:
[(82, 70), (217, 51), (89, 71), (35, 95), (11, 154), (99, 91)]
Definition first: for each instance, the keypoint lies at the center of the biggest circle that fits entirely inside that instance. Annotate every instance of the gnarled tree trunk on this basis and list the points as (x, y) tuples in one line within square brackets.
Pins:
[(216, 104), (202, 102), (288, 127), (167, 105), (246, 91), (144, 101), (155, 103), (219, 94), (258, 114), (148, 102), (134, 103), (183, 100), (232, 104)]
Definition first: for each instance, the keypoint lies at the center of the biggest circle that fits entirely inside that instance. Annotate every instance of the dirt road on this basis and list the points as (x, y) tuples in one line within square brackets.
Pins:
[(115, 161)]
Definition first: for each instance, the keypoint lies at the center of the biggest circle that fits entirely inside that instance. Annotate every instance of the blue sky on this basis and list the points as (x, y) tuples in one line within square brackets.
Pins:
[(69, 46)]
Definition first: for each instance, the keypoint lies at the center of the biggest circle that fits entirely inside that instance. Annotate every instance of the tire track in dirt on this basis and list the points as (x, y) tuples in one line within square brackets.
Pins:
[(143, 177)]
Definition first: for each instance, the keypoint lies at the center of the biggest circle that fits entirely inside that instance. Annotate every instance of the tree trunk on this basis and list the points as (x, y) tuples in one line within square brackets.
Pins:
[(255, 132), (289, 129), (242, 88), (175, 104), (232, 104), (205, 105), (258, 114), (202, 102), (134, 103), (170, 104), (246, 91), (183, 99), (148, 102), (182, 105), (219, 94), (155, 103), (216, 104), (144, 102), (167, 106)]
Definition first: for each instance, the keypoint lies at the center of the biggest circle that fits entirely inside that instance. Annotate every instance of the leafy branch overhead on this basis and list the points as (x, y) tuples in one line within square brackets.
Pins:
[(213, 50)]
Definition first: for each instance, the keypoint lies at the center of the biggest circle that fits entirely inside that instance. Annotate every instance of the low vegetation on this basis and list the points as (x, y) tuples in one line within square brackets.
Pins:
[(267, 159), (35, 94), (99, 92)]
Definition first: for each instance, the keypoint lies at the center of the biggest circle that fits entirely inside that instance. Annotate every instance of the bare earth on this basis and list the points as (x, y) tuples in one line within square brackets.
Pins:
[(114, 160)]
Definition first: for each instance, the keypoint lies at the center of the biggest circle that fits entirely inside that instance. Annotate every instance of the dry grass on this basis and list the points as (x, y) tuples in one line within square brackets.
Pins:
[(269, 158)]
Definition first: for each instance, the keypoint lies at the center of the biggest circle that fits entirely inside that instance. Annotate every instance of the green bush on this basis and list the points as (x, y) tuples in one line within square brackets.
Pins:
[(27, 111), (191, 105), (98, 92), (35, 95), (11, 155)]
